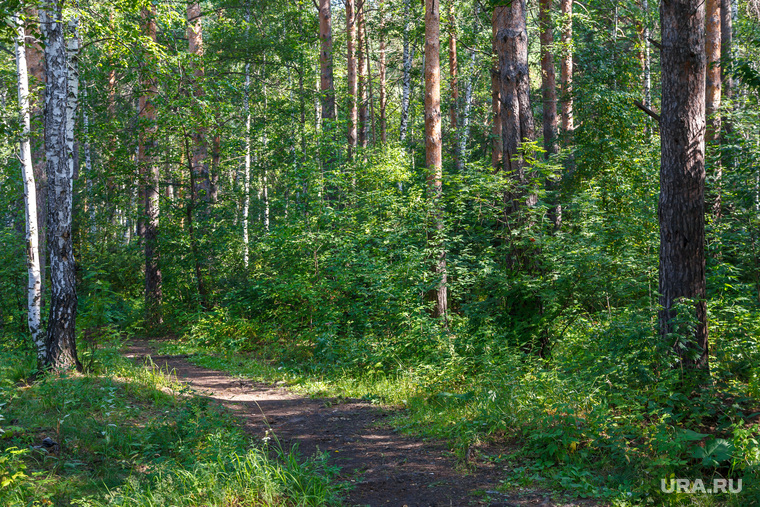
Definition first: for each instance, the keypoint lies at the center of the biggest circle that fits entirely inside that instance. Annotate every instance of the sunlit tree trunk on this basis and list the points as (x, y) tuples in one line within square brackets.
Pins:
[(713, 83), (517, 116), (433, 149), (382, 77), (326, 87), (362, 58), (548, 80), (566, 68), (199, 135), (406, 82), (454, 85), (682, 174), (370, 95), (470, 84), (496, 123), (150, 174), (351, 74), (34, 284), (247, 165), (61, 332)]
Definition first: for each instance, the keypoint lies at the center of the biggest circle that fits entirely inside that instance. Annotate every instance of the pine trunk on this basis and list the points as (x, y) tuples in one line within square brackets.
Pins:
[(682, 176), (433, 149), (406, 82), (326, 87), (566, 68), (199, 135), (382, 77), (351, 75)]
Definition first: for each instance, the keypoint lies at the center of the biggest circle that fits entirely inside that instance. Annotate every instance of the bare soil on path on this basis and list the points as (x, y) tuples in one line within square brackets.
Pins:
[(383, 467)]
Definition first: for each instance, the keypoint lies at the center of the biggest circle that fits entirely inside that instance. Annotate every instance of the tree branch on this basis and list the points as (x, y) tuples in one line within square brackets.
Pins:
[(647, 110)]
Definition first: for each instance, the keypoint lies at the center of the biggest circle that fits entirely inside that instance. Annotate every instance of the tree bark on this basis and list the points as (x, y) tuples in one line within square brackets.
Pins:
[(433, 148), (496, 143), (517, 116), (61, 332), (566, 68), (247, 164), (150, 175), (351, 75), (362, 77), (34, 283), (370, 95), (454, 86), (406, 82), (382, 77), (682, 175), (548, 79), (200, 142), (326, 61), (713, 77)]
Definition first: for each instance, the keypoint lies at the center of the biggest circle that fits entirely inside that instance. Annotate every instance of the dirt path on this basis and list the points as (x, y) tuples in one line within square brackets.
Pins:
[(385, 467)]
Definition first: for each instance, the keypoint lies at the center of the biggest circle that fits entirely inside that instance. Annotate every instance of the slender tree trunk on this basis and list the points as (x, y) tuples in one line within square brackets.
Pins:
[(566, 68), (682, 174), (149, 181), (548, 80), (370, 95), (247, 174), (61, 333), (433, 149), (647, 59), (200, 143), (35, 61), (190, 211), (726, 36), (326, 61), (496, 142), (382, 77), (713, 83), (265, 148), (453, 73), (351, 75), (468, 96), (362, 77), (34, 284), (406, 82)]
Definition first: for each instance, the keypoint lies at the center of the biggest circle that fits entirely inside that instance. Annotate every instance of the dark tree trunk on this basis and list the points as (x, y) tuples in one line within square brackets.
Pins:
[(61, 332), (326, 87), (682, 173)]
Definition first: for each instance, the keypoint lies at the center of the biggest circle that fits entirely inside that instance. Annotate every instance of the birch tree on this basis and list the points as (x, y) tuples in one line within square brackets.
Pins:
[(34, 284), (61, 337)]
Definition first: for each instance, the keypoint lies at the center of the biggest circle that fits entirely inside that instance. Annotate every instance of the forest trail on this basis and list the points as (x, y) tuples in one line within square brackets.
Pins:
[(385, 467)]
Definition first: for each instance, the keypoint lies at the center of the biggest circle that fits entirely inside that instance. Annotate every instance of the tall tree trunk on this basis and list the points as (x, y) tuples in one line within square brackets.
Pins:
[(362, 77), (35, 62), (370, 95), (647, 56), (548, 80), (326, 61), (381, 72), (517, 116), (247, 174), (713, 83), (682, 174), (150, 175), (496, 142), (468, 95), (200, 143), (726, 36), (34, 284), (61, 332), (433, 149), (406, 82), (453, 73), (351, 75), (566, 68)]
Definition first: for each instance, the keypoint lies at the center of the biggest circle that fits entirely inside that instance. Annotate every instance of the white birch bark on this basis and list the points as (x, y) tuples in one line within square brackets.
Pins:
[(61, 339), (34, 284), (247, 174)]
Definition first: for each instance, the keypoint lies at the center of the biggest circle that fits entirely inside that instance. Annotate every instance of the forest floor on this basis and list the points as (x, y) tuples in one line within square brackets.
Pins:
[(378, 465)]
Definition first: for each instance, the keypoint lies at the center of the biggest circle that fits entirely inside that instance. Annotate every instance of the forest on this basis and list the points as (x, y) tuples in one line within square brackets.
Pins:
[(529, 230)]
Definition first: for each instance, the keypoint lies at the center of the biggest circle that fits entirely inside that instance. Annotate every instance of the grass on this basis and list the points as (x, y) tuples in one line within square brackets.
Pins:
[(606, 430), (131, 435)]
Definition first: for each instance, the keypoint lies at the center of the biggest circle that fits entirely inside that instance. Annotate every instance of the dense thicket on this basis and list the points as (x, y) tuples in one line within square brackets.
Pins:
[(262, 184)]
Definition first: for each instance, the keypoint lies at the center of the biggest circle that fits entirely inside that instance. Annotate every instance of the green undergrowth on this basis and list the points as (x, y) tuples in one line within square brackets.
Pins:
[(131, 435), (608, 417)]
